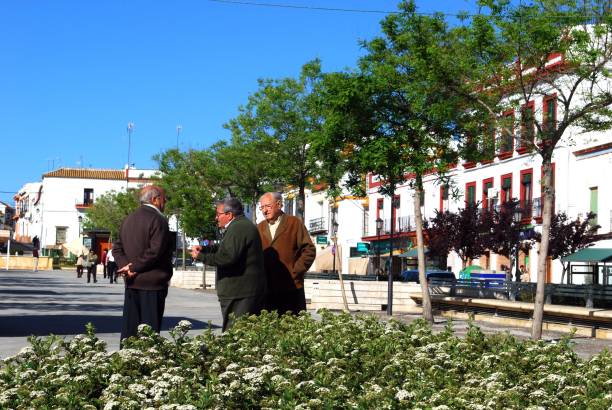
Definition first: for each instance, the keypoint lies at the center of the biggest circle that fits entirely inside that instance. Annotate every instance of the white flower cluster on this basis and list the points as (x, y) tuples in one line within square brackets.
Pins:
[(337, 361)]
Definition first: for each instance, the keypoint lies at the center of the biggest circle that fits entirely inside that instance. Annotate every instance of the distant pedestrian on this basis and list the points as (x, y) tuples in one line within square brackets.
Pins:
[(143, 252), (92, 262), (79, 265), (35, 257), (525, 277), (103, 260), (36, 247), (111, 267)]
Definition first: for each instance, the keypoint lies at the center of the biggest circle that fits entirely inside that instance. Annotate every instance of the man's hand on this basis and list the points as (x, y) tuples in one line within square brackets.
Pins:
[(126, 271), (195, 251)]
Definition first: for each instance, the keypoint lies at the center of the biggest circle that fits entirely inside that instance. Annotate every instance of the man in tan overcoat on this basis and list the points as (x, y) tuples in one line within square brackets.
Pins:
[(288, 253)]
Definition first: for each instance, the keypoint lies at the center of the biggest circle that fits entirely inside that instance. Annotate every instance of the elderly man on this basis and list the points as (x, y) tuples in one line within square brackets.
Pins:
[(241, 280), (288, 253), (143, 251)]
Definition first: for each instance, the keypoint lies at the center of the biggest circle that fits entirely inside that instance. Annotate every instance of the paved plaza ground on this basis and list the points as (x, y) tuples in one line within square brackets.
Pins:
[(40, 303)]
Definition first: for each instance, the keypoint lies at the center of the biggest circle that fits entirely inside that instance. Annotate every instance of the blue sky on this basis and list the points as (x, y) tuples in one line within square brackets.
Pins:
[(74, 73)]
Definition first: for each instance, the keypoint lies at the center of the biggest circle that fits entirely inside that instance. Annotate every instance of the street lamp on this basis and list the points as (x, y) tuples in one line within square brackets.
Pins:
[(517, 216), (80, 225), (379, 225)]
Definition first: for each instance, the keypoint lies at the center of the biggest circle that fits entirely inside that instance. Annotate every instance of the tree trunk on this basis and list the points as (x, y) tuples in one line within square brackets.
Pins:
[(538, 309), (418, 219), (564, 271), (301, 200), (390, 273), (254, 211)]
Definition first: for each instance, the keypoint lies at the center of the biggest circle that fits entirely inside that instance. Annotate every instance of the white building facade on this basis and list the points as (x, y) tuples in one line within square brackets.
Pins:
[(582, 184), (54, 209)]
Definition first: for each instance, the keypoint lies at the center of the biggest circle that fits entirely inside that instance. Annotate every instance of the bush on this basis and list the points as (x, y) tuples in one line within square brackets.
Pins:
[(339, 361)]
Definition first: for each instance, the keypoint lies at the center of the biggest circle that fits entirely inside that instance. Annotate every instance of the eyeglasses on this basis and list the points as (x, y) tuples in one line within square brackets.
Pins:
[(266, 206)]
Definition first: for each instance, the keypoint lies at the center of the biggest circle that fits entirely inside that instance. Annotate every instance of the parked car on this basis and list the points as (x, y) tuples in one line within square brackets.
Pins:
[(412, 275), (178, 261)]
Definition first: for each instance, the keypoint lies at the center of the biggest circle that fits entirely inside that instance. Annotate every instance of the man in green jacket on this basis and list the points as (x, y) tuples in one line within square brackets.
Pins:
[(241, 278)]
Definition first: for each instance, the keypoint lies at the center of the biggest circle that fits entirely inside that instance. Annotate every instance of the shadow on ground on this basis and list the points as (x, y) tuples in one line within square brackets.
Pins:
[(74, 324)]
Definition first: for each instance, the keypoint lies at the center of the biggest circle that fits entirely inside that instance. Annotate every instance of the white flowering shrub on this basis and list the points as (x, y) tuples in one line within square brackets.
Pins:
[(339, 361)]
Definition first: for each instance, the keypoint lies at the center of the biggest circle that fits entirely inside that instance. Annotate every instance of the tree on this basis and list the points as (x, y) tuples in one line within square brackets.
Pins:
[(411, 121), (441, 232), (247, 166), (284, 110), (190, 192), (569, 236), (556, 51), (506, 237), (110, 209)]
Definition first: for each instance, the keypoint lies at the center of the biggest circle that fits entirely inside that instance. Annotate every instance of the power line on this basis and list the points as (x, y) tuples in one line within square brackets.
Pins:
[(345, 10), (299, 7)]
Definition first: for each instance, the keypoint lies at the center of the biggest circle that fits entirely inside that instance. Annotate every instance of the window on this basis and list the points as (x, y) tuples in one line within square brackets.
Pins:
[(60, 234), (488, 143), (88, 196), (470, 194), (289, 203), (527, 127), (526, 192), (380, 203), (593, 204), (396, 206), (550, 114), (506, 188), (507, 133), (487, 203), (444, 198)]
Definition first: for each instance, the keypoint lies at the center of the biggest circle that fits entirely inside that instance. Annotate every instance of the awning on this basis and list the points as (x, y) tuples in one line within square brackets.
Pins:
[(412, 253), (590, 255)]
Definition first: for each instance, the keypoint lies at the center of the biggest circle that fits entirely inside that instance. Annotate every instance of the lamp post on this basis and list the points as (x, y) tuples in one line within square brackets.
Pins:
[(80, 225), (379, 225), (518, 216)]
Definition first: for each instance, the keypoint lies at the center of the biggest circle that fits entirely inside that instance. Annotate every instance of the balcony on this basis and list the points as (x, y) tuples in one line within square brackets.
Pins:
[(83, 204), (402, 224), (317, 225)]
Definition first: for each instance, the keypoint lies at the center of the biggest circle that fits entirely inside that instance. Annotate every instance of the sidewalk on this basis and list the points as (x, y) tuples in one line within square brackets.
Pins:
[(57, 302)]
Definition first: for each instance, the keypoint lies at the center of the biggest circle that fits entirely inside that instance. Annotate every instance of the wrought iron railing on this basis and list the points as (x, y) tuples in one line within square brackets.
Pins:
[(317, 225)]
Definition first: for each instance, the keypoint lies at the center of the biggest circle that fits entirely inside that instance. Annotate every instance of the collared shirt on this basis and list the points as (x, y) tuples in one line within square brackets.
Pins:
[(274, 225), (154, 207)]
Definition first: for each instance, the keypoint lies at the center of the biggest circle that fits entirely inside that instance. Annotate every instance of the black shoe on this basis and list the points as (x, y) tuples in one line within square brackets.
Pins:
[(95, 281)]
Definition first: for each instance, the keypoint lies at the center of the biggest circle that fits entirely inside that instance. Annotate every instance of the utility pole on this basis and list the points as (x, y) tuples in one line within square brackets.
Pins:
[(130, 129), (179, 128)]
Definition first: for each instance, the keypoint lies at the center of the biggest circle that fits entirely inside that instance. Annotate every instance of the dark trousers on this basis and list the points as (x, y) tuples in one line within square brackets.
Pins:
[(104, 269), (79, 271), (142, 307), (240, 307), (111, 268), (91, 270), (293, 301)]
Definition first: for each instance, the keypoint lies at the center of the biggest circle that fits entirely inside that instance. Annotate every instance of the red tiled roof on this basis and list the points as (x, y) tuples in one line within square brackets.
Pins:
[(84, 173)]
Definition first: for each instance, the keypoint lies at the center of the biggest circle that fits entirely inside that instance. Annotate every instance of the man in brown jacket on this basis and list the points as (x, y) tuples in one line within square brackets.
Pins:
[(143, 252), (288, 253)]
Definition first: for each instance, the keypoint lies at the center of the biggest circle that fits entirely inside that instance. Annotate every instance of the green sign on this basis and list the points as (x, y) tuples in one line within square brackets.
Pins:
[(363, 247), (321, 240)]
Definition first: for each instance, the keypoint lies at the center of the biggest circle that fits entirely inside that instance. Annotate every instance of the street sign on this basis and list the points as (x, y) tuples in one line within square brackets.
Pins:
[(363, 247), (5, 233), (321, 240)]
